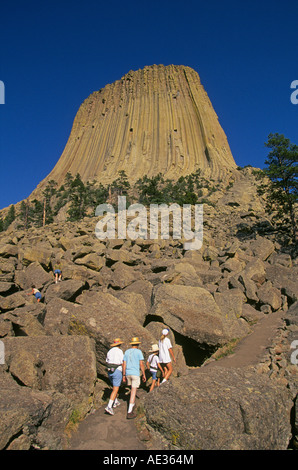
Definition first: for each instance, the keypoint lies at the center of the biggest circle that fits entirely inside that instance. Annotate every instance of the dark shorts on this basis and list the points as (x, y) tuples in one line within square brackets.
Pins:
[(38, 295), (153, 373)]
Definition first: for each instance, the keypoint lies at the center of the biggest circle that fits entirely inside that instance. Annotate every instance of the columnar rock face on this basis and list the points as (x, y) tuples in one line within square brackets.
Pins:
[(158, 119)]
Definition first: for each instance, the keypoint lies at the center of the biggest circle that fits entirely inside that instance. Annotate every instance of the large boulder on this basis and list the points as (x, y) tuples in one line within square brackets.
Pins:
[(65, 364), (91, 261), (104, 317), (18, 299), (284, 278), (67, 290), (270, 295), (25, 321), (33, 274), (38, 253), (123, 275), (143, 287), (57, 318), (182, 273), (191, 311), (262, 248), (231, 306), (21, 410), (221, 409)]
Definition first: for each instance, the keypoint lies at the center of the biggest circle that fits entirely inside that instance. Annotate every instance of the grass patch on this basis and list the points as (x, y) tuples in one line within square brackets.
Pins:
[(226, 350), (73, 422)]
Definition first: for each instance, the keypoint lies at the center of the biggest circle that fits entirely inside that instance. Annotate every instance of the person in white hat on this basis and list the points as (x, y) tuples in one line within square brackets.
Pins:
[(114, 362), (165, 354), (153, 364), (133, 364)]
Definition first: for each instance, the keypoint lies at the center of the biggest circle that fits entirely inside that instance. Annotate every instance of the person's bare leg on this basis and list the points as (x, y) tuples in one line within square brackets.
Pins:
[(168, 370), (114, 393), (133, 394), (152, 385)]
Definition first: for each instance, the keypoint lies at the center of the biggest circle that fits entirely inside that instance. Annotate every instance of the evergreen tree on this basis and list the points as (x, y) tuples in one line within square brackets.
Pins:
[(77, 197), (281, 187), (10, 217), (24, 214), (121, 185), (48, 193), (151, 190), (36, 213)]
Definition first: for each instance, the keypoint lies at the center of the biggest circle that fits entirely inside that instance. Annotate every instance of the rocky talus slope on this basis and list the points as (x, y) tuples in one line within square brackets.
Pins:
[(54, 351)]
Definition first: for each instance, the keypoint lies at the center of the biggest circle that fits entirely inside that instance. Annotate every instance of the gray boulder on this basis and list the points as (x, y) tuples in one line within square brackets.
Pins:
[(21, 413), (231, 306), (67, 290), (65, 364), (104, 317), (191, 311), (221, 409)]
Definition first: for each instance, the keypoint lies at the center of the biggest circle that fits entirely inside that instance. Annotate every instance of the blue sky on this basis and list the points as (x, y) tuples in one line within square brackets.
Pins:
[(54, 54)]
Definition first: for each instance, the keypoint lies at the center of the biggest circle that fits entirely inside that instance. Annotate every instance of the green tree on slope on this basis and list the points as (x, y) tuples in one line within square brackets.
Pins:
[(281, 187)]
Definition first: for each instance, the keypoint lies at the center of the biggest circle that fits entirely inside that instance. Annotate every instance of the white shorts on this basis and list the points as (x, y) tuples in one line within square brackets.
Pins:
[(133, 380)]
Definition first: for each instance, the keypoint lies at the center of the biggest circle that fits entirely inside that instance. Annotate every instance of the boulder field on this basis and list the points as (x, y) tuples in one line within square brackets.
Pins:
[(53, 351)]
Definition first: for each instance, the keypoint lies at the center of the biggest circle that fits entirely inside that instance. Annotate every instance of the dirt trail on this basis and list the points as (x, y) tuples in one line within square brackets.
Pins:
[(250, 350), (100, 431)]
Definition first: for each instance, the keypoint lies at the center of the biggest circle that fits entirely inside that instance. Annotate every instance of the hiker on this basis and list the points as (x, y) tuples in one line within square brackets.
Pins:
[(165, 354), (133, 363), (114, 361), (36, 293), (153, 364), (57, 273)]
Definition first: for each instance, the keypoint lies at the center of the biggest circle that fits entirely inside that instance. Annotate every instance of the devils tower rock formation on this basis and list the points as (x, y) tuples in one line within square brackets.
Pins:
[(155, 120)]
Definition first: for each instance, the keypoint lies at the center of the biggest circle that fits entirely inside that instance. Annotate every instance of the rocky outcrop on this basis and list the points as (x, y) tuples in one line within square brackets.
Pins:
[(155, 120), (225, 409), (44, 380)]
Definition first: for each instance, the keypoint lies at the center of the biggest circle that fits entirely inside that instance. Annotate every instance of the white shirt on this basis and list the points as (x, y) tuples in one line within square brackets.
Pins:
[(164, 346), (153, 360), (115, 356)]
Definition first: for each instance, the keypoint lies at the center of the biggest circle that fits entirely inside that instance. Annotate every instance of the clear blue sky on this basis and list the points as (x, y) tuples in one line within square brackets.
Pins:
[(54, 54)]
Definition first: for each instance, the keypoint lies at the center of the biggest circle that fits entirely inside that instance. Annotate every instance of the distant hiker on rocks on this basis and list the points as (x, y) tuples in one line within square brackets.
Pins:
[(165, 353), (57, 273), (114, 361), (36, 293), (153, 364), (133, 363)]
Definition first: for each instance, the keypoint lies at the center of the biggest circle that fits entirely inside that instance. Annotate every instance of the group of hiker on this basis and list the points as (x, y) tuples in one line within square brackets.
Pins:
[(129, 366)]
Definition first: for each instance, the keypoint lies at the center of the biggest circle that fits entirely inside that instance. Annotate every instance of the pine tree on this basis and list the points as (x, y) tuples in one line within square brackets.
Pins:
[(48, 193), (24, 214), (281, 187), (77, 209), (36, 213), (10, 217)]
